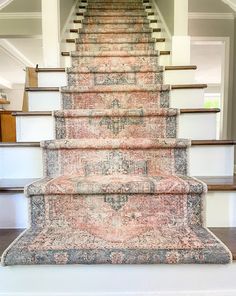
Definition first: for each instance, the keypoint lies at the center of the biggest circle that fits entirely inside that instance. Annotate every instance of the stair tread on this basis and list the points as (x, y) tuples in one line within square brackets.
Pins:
[(218, 183), (49, 113), (4, 102), (226, 234), (167, 68), (7, 236), (121, 184), (194, 143), (162, 52), (114, 53), (188, 67), (14, 185), (174, 87)]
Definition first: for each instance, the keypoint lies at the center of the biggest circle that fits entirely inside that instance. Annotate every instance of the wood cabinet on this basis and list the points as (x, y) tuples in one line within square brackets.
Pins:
[(7, 126)]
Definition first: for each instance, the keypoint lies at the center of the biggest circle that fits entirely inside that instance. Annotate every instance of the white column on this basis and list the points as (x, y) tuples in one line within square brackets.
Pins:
[(181, 40), (51, 32)]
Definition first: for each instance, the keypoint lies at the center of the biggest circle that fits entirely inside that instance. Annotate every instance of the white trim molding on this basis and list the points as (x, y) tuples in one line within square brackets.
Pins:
[(210, 16), (231, 3), (4, 3), (20, 15), (14, 53)]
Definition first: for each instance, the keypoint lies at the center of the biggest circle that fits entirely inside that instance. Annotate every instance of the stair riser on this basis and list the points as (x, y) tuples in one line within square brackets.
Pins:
[(115, 127), (187, 98), (115, 38), (24, 162), (13, 210), (49, 101), (47, 79), (44, 101), (219, 210), (96, 79), (52, 79), (115, 20), (21, 162), (179, 77), (212, 160), (144, 63), (103, 28), (38, 128), (116, 212), (165, 60), (88, 162), (117, 13), (126, 100), (114, 46)]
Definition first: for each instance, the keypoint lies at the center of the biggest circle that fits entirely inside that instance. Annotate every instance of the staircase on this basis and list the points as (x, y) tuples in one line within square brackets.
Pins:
[(117, 153), (116, 188)]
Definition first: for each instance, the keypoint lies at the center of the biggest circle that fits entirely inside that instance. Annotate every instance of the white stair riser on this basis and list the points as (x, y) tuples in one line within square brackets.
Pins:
[(37, 128), (20, 162), (181, 98), (13, 210), (193, 126), (164, 60), (219, 211), (34, 128), (211, 160), (179, 76), (52, 79), (44, 101), (57, 79), (187, 98)]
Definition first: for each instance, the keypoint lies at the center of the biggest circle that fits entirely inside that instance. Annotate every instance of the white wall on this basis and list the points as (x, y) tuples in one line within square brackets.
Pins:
[(167, 10), (65, 8), (15, 96)]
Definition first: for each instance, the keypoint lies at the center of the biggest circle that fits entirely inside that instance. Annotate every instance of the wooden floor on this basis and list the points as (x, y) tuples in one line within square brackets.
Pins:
[(227, 235), (7, 236)]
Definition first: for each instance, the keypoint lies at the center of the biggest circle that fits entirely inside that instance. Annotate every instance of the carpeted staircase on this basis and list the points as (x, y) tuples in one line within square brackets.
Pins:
[(116, 188)]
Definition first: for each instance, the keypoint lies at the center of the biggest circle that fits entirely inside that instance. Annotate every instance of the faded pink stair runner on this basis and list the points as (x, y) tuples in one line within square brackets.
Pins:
[(116, 188)]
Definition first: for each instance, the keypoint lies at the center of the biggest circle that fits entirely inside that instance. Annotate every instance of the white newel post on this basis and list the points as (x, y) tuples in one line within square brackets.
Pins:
[(181, 40), (51, 32)]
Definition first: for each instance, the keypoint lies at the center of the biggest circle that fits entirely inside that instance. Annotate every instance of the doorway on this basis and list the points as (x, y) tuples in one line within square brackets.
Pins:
[(211, 55)]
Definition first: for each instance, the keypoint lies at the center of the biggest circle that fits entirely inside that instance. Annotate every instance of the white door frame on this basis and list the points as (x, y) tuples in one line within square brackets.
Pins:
[(225, 41)]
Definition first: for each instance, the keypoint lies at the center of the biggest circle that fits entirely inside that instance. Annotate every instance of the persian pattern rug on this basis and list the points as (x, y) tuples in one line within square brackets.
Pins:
[(116, 188)]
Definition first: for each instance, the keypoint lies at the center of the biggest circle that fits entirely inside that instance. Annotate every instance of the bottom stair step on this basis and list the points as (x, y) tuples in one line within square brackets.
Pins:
[(227, 235)]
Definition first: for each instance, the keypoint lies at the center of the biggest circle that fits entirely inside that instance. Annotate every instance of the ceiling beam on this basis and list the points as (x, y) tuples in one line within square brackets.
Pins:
[(20, 15), (14, 53)]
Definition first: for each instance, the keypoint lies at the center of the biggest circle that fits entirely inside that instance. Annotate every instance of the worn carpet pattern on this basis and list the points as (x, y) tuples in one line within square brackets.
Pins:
[(116, 188)]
